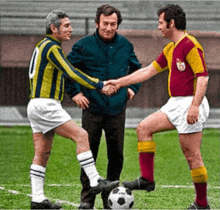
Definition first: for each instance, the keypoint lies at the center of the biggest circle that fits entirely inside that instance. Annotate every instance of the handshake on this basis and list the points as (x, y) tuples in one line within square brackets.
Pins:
[(110, 87)]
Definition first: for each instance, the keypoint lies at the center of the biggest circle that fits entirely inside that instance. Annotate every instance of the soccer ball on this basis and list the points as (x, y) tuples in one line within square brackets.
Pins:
[(121, 198)]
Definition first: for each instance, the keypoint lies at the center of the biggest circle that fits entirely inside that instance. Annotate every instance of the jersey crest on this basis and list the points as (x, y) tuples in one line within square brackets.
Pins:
[(180, 65)]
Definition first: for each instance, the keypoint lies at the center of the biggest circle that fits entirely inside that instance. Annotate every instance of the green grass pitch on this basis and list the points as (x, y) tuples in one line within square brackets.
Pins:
[(174, 188)]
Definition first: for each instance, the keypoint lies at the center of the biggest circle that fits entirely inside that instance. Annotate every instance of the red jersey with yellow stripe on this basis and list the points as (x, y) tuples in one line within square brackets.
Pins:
[(185, 61)]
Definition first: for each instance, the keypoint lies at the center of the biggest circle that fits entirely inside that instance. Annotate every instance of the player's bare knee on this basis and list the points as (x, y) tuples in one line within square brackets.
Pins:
[(82, 136), (140, 128), (143, 131), (193, 158)]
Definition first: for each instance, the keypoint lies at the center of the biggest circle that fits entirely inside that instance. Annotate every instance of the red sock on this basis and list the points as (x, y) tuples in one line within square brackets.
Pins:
[(201, 194), (146, 161)]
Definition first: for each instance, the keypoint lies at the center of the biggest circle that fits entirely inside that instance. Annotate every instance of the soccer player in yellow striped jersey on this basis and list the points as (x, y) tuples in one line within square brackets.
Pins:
[(186, 110), (48, 67)]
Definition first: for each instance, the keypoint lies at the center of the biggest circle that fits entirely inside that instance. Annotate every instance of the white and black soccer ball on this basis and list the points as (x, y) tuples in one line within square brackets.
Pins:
[(121, 198)]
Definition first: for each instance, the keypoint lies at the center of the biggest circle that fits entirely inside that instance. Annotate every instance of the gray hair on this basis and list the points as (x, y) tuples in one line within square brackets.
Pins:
[(54, 18)]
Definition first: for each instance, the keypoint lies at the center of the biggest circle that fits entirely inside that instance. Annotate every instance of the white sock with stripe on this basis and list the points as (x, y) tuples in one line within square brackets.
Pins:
[(87, 162), (37, 175)]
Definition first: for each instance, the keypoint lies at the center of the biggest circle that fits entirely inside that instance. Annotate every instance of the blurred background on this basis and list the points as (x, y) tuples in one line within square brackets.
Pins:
[(22, 26)]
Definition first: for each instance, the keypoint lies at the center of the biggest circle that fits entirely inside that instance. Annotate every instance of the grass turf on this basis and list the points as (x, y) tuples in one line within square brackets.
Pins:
[(174, 188)]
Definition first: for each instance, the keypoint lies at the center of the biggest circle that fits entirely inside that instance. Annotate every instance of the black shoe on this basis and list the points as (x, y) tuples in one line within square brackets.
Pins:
[(196, 206), (139, 184), (85, 206), (104, 185), (46, 204)]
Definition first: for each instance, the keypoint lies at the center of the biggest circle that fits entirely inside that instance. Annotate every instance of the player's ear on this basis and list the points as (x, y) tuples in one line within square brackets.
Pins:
[(172, 23), (53, 28)]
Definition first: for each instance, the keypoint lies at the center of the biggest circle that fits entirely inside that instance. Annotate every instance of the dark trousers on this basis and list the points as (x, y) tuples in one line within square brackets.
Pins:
[(114, 126)]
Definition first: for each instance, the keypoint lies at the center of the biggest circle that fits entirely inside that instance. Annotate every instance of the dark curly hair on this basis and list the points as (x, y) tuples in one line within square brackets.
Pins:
[(176, 13), (107, 10)]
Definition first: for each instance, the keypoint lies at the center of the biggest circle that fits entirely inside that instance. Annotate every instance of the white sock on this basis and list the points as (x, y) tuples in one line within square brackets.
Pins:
[(87, 162), (37, 175)]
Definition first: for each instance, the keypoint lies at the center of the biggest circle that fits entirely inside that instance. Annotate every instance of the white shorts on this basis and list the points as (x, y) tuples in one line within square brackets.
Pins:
[(46, 114), (176, 110)]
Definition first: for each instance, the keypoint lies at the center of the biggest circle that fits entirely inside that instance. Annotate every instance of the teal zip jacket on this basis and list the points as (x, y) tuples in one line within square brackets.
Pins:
[(103, 60)]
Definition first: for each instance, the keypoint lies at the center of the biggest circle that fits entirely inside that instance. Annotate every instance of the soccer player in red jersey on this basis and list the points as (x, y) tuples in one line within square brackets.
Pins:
[(186, 110)]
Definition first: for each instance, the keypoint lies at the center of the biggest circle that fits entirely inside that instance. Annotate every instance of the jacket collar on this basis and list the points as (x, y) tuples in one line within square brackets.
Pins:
[(113, 40)]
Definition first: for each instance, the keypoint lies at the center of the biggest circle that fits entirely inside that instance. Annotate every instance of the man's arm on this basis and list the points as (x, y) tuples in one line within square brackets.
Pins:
[(58, 59), (138, 76), (193, 112)]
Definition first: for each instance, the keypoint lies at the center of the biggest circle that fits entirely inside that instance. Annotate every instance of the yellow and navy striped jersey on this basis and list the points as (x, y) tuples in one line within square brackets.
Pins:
[(48, 69)]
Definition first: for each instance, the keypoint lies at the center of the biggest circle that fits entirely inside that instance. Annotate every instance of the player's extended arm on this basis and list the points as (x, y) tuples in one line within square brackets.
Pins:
[(59, 60), (193, 112), (138, 76)]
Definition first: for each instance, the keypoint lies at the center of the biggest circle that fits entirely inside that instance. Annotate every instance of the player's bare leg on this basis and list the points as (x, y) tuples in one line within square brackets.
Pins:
[(190, 144), (154, 123), (77, 134), (42, 146)]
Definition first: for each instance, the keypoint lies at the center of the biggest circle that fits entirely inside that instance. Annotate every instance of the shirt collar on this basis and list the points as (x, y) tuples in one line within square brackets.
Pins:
[(54, 39), (185, 34)]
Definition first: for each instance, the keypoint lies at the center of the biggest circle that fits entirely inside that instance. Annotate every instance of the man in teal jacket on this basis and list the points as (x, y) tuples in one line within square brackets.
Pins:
[(104, 55)]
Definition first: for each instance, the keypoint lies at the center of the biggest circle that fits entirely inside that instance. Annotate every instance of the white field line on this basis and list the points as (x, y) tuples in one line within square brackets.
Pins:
[(69, 185), (48, 185), (57, 200)]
